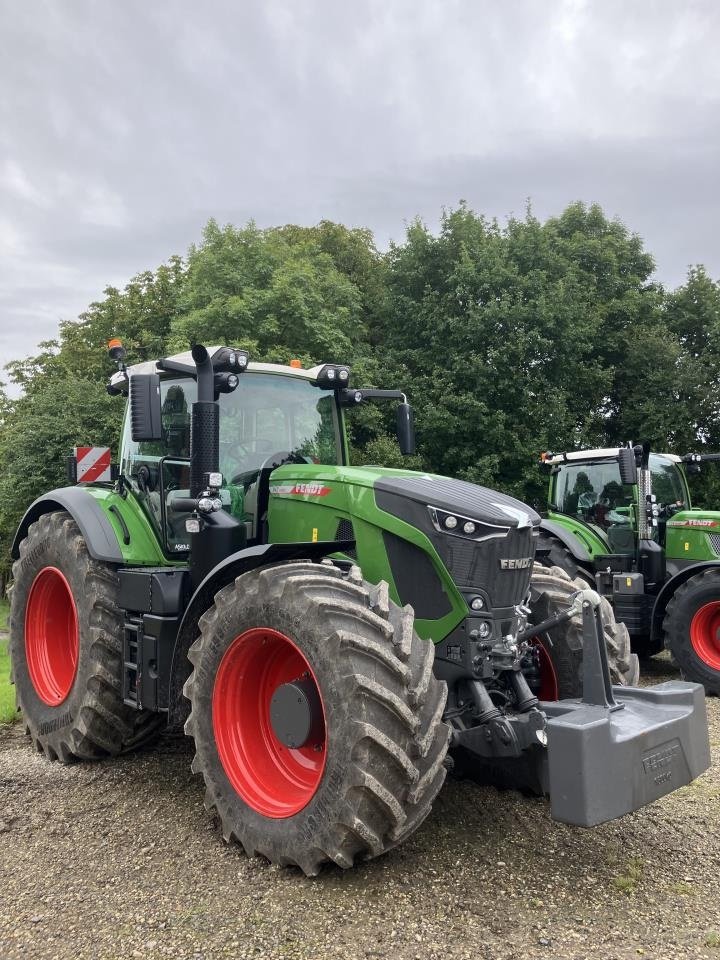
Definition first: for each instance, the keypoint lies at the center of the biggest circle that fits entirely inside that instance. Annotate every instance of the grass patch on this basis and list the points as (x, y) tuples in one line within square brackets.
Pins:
[(628, 880), (683, 889), (4, 614), (7, 690), (712, 940)]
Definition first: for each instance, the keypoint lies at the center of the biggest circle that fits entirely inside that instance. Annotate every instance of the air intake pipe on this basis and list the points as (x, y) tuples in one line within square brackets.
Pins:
[(205, 423)]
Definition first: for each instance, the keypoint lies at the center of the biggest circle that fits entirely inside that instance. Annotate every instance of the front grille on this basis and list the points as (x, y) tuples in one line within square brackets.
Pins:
[(477, 565), (714, 539)]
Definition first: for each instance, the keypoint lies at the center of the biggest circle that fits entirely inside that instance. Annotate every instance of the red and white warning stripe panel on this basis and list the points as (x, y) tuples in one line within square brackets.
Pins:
[(93, 463)]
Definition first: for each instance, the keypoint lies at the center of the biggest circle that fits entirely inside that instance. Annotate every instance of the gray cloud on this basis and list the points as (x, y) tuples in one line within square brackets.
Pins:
[(124, 126)]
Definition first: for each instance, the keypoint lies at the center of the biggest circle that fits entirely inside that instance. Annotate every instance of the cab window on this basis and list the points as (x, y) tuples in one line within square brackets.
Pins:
[(594, 493), (267, 414), (667, 484)]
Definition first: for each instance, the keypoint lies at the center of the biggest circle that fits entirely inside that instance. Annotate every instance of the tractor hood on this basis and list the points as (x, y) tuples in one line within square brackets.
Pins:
[(457, 496), (466, 499), (692, 536), (437, 541)]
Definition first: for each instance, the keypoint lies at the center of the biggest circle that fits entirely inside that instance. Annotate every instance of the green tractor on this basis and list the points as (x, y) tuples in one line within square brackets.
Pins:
[(333, 638), (621, 519)]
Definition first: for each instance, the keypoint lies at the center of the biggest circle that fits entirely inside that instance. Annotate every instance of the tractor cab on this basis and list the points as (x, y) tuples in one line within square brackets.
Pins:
[(249, 420), (587, 487), (271, 414)]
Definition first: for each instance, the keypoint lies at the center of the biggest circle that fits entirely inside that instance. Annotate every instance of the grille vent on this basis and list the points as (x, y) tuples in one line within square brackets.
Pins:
[(714, 539), (345, 531)]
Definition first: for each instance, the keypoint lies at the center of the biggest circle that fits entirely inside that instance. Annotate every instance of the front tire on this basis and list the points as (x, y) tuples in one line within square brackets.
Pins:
[(561, 653), (66, 648), (552, 552), (692, 629), (373, 761)]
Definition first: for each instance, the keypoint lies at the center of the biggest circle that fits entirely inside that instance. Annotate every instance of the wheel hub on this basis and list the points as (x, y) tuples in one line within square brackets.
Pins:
[(296, 714), (269, 722)]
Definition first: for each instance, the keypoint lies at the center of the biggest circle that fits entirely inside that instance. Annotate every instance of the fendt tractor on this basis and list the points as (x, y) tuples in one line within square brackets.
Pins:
[(622, 519), (333, 638)]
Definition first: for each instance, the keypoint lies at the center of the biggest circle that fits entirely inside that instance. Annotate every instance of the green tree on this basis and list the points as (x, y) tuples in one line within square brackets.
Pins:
[(65, 402), (277, 293), (510, 337), (38, 435)]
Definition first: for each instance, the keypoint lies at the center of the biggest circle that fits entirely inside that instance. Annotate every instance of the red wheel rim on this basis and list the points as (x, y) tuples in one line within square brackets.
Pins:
[(548, 677), (275, 780), (52, 641), (705, 634)]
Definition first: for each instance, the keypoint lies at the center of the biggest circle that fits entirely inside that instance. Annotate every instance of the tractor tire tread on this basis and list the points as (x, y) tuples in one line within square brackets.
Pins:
[(392, 744), (94, 722), (551, 589)]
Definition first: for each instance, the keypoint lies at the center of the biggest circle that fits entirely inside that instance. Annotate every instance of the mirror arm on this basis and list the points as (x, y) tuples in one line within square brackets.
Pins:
[(348, 398)]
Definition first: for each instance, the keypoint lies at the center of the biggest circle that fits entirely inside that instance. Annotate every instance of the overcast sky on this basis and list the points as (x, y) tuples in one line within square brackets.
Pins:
[(126, 124)]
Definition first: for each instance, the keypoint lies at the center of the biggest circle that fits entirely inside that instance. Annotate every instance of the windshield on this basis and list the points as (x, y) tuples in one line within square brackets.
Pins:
[(667, 483), (267, 414), (593, 493)]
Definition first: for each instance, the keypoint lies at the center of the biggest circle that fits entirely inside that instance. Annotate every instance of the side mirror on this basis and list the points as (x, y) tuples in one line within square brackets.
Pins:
[(145, 408), (406, 429), (628, 466)]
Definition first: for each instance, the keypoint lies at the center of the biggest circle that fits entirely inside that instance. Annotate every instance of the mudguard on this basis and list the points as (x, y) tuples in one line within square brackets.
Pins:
[(95, 527), (576, 548), (250, 558)]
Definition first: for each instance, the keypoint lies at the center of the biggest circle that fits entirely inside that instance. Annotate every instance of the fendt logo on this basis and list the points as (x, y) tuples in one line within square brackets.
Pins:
[(301, 489), (521, 564)]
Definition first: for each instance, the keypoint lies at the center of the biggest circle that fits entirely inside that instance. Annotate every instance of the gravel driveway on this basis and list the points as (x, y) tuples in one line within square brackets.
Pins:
[(120, 860)]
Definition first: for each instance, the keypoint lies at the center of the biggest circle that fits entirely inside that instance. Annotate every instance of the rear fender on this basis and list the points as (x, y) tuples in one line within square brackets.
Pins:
[(250, 558), (101, 539)]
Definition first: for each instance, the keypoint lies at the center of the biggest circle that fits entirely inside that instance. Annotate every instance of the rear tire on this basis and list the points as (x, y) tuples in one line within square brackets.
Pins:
[(66, 648), (368, 776), (551, 590), (691, 627)]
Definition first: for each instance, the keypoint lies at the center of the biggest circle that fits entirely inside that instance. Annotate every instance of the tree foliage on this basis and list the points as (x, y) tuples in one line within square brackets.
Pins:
[(509, 339)]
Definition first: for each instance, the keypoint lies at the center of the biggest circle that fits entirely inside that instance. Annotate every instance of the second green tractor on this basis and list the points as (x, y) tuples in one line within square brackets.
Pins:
[(621, 518)]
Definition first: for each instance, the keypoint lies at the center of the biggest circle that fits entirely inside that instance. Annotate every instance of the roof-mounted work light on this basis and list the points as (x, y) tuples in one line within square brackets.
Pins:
[(230, 360), (333, 377)]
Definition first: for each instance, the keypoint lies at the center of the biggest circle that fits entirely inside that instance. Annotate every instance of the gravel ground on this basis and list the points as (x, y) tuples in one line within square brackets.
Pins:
[(120, 860)]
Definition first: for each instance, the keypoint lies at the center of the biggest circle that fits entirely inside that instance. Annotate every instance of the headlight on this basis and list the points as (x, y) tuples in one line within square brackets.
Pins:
[(459, 526)]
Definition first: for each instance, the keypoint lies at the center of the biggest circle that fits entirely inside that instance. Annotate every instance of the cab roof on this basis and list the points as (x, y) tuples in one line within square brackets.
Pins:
[(119, 379), (603, 453)]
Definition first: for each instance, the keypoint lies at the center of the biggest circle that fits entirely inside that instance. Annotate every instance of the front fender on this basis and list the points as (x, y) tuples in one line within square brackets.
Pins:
[(569, 540)]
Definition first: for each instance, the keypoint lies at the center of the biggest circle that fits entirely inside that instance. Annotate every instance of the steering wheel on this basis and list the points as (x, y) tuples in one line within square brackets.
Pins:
[(246, 477), (668, 510)]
